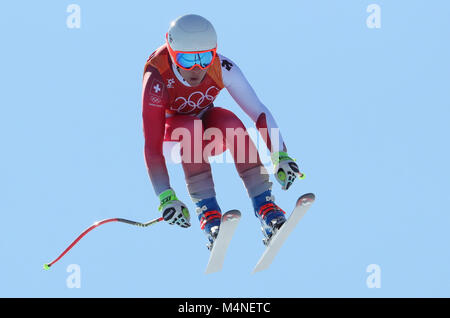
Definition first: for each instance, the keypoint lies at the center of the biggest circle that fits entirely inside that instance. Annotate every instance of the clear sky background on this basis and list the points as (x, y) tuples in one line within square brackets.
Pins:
[(364, 111)]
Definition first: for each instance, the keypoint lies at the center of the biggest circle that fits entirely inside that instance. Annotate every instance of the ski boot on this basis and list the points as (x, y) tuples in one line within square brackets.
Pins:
[(271, 215), (209, 215)]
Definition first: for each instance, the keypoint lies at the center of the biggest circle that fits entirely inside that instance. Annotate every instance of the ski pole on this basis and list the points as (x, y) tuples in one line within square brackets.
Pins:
[(97, 224)]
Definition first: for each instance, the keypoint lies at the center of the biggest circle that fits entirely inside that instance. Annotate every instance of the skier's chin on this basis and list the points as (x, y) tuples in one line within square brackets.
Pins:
[(194, 77)]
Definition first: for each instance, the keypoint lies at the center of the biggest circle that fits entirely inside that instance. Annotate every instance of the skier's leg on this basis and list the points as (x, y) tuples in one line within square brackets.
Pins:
[(197, 170), (249, 166), (188, 130), (200, 185), (246, 158)]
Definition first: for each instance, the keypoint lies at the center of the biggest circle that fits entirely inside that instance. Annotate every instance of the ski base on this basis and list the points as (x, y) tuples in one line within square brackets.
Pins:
[(228, 225), (277, 240)]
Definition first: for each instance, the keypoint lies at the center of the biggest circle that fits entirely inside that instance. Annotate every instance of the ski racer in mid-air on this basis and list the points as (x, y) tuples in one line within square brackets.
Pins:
[(181, 80)]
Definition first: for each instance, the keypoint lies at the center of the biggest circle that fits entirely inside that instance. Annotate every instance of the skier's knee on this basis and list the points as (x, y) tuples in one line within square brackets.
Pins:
[(230, 120)]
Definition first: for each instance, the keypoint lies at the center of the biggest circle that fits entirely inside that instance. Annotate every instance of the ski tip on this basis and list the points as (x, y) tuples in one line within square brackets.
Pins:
[(46, 267), (232, 214), (258, 269), (306, 199)]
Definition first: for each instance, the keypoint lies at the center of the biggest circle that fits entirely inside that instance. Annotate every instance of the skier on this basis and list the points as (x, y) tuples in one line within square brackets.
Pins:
[(181, 80)]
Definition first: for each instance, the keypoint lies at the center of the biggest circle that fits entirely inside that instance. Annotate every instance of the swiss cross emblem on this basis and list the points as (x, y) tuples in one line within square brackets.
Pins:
[(157, 87)]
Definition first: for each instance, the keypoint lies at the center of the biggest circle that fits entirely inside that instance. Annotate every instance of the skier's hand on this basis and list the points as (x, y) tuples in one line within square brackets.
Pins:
[(173, 210), (286, 170)]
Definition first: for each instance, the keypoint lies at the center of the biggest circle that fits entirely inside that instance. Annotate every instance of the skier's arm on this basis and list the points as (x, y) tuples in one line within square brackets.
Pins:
[(285, 168), (153, 114), (244, 95)]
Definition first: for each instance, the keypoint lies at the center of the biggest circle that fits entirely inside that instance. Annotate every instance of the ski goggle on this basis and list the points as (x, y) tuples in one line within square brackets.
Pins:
[(189, 60)]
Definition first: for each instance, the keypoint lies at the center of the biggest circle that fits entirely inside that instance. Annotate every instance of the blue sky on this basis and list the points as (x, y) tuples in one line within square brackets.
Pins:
[(364, 111)]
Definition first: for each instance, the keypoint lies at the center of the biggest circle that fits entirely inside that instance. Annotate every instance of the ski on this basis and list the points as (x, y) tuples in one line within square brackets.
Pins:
[(280, 236), (228, 225)]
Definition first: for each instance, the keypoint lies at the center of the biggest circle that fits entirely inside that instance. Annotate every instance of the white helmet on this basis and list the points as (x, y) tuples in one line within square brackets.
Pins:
[(191, 33)]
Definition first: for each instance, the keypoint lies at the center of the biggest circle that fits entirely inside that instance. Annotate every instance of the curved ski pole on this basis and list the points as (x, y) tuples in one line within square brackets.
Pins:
[(97, 224)]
